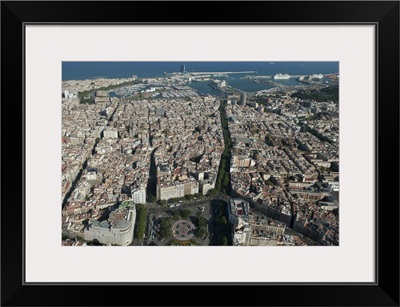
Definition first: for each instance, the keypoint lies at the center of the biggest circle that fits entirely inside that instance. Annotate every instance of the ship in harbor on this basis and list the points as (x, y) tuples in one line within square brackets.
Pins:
[(281, 76)]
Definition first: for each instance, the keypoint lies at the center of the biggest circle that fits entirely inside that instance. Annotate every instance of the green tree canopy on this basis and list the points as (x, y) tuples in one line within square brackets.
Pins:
[(140, 223), (201, 233), (165, 223), (175, 215), (224, 240), (184, 213), (212, 192), (222, 220), (201, 222)]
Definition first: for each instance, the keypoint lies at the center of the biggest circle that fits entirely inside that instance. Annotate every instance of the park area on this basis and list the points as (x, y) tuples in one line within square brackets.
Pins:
[(200, 225)]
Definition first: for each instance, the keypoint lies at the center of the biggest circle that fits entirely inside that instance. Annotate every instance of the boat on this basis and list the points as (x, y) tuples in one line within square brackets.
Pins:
[(281, 76)]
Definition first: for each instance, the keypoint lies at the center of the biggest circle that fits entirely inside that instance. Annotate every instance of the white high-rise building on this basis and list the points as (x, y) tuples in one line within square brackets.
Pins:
[(139, 195)]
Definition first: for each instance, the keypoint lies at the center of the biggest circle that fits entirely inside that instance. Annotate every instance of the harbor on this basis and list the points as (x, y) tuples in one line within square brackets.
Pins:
[(221, 72)]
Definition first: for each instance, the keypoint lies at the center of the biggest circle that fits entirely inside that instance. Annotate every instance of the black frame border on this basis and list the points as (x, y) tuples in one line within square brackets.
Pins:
[(383, 14)]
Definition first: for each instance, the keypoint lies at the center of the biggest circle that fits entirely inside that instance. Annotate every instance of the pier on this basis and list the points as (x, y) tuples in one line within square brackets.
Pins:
[(220, 72)]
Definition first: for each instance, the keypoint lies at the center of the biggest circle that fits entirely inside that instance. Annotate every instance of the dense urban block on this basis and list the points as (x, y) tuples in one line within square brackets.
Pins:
[(189, 158)]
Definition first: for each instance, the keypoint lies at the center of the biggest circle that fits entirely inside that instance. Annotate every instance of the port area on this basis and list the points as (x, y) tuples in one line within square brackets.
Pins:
[(300, 82)]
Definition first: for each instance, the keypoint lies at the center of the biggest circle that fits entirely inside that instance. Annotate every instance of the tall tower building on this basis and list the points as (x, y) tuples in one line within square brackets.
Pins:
[(243, 98), (183, 69)]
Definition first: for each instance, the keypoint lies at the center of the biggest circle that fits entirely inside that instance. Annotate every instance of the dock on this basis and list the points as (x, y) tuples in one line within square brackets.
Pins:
[(220, 72)]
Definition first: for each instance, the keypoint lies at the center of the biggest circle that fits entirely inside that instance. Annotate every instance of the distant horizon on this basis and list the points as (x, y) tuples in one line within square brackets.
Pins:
[(146, 69)]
